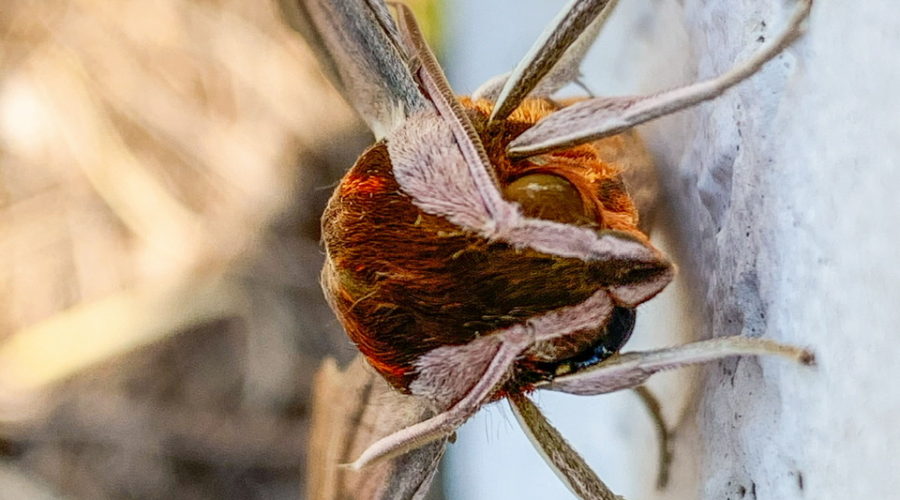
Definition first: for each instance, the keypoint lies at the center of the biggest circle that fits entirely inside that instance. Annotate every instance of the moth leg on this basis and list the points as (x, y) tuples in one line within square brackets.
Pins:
[(629, 370), (496, 353), (444, 424), (499, 351), (569, 466), (662, 433), (584, 86), (594, 119)]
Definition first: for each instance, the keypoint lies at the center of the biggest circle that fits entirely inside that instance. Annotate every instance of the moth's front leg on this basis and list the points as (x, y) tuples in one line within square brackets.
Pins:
[(596, 118), (463, 378), (633, 369), (662, 432), (443, 424)]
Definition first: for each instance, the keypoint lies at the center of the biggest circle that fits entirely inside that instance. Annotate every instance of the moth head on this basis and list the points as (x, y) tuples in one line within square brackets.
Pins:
[(406, 276)]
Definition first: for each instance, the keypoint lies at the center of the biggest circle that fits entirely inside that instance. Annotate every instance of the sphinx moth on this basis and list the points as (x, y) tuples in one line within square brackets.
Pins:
[(485, 247)]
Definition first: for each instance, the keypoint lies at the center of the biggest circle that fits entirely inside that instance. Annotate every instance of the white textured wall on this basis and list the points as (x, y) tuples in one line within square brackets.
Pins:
[(783, 202)]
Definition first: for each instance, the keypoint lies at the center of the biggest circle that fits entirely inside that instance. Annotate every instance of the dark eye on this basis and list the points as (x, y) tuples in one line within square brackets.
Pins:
[(550, 197)]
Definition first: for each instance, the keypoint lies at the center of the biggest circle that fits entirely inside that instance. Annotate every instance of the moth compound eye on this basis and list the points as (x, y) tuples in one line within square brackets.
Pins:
[(549, 197)]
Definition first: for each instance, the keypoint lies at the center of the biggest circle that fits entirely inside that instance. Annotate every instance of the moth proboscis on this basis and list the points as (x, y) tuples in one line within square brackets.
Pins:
[(486, 247)]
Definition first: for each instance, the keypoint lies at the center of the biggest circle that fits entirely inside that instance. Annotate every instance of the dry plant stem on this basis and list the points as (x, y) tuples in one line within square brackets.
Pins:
[(568, 465), (46, 353), (328, 435), (21, 484), (143, 204), (662, 432), (594, 119)]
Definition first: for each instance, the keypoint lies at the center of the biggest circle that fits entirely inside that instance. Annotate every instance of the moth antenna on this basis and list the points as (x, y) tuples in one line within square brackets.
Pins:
[(442, 97), (597, 118), (559, 50)]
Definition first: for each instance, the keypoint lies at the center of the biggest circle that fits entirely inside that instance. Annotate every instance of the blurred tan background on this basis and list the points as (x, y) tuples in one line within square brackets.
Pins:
[(163, 166)]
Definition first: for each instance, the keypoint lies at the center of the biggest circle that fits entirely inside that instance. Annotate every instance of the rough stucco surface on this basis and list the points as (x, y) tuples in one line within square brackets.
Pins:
[(781, 209)]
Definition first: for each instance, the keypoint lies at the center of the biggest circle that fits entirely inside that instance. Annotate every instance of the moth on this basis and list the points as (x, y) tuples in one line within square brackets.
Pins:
[(485, 247)]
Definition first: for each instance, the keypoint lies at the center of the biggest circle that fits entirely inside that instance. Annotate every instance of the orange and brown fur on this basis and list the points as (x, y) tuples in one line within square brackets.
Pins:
[(405, 282)]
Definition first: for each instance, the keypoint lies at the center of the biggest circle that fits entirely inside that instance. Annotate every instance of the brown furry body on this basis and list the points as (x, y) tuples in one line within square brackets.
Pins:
[(404, 282)]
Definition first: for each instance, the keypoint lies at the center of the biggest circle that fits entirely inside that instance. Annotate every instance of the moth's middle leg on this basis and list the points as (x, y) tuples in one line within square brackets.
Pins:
[(451, 376)]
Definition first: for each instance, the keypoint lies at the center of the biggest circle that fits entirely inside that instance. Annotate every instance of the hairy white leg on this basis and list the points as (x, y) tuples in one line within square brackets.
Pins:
[(662, 433), (575, 27), (629, 370), (445, 423), (568, 465), (455, 362), (596, 118), (620, 372)]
